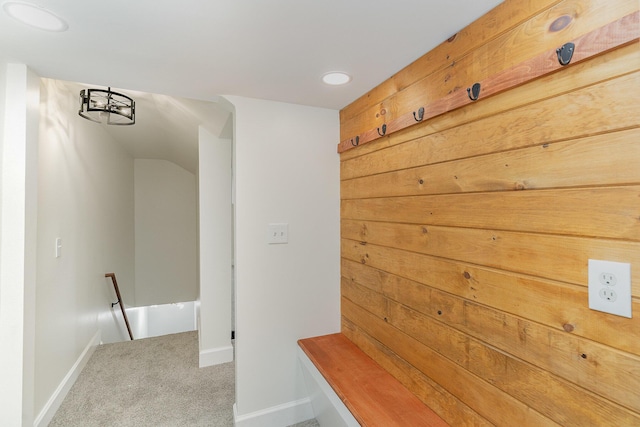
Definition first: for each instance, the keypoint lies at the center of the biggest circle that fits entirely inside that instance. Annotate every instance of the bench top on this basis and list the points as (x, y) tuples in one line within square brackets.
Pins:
[(374, 397)]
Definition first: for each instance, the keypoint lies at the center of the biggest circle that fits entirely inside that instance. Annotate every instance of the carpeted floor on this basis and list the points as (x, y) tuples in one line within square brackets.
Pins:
[(309, 423), (151, 382)]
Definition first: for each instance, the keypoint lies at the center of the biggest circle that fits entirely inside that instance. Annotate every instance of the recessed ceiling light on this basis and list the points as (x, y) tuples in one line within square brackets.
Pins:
[(34, 16), (336, 78)]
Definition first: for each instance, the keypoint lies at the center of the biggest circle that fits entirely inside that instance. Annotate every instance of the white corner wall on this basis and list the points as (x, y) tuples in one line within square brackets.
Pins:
[(85, 197), (3, 84), (286, 170), (214, 188), (165, 233), (18, 214)]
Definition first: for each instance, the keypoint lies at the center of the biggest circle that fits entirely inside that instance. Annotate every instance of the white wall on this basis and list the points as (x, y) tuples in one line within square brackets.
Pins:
[(286, 170), (85, 198), (18, 244), (165, 233), (214, 188), (3, 84)]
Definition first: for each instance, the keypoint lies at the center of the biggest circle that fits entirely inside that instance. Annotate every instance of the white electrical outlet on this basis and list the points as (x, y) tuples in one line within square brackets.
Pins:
[(610, 287)]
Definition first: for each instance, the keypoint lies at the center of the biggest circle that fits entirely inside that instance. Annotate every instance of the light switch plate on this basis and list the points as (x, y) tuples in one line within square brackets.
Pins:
[(58, 247), (278, 233), (610, 287)]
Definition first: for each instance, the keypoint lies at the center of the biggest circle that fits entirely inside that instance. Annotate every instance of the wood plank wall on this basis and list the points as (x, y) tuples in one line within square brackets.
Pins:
[(465, 239)]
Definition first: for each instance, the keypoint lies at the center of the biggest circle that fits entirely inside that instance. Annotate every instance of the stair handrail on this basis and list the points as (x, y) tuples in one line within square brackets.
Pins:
[(124, 313)]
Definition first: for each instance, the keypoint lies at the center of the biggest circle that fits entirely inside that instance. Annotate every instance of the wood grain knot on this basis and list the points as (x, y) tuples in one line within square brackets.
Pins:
[(424, 230), (467, 275), (386, 320), (439, 312), (452, 38), (568, 327), (560, 23), (421, 181), (584, 356), (383, 112)]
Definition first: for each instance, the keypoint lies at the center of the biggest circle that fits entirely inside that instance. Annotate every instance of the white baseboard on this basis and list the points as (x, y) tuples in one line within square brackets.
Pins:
[(46, 415), (276, 416), (216, 356)]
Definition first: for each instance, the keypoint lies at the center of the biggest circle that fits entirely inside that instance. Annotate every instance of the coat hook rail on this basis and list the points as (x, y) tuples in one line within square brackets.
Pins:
[(614, 35)]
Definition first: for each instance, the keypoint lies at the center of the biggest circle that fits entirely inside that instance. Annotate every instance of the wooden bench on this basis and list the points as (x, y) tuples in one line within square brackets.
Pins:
[(372, 395)]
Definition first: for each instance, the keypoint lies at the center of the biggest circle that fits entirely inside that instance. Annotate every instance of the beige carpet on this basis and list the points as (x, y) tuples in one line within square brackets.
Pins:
[(151, 382)]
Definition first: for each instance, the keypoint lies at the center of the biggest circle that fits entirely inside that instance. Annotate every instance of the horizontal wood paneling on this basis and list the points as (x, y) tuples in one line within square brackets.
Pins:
[(427, 390), (605, 373), (569, 116), (495, 405), (466, 238), (563, 211), (455, 345), (487, 27), (541, 300), (532, 37), (556, 165), (549, 256), (600, 69)]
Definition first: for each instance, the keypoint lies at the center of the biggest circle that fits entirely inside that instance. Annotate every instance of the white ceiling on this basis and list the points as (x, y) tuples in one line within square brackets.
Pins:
[(268, 49)]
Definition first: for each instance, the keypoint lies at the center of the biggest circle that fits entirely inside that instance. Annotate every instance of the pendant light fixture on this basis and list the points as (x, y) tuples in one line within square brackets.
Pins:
[(105, 106)]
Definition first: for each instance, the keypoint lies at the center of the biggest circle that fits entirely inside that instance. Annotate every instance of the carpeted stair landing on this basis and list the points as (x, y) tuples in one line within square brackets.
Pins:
[(150, 382)]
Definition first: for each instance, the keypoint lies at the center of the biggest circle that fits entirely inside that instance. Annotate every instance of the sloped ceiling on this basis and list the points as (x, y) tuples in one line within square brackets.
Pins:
[(166, 127)]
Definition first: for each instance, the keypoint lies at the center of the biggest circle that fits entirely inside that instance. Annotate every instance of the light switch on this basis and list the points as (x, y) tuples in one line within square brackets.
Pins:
[(278, 233), (58, 247)]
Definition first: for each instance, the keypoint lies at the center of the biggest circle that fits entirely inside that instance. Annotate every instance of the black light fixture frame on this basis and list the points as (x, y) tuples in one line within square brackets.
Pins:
[(98, 105)]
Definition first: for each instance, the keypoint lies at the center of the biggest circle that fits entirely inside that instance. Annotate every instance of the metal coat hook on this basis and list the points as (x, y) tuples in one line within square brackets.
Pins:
[(565, 53), (356, 142), (384, 130), (420, 114), (474, 92)]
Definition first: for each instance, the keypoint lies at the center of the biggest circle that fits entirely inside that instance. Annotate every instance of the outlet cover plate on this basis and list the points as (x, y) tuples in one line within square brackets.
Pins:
[(610, 287)]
